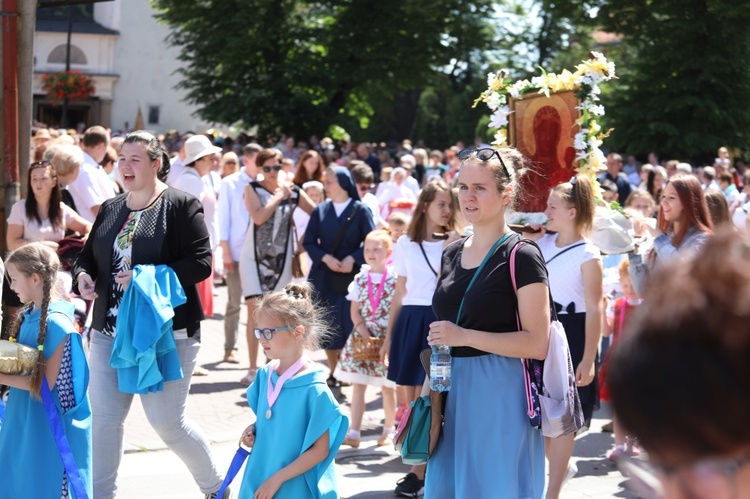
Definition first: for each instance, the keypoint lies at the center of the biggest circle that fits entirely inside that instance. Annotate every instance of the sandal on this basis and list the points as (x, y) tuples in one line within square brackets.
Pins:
[(248, 379)]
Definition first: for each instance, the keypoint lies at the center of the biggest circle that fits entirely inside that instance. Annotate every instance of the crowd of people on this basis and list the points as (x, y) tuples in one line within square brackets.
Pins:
[(363, 251)]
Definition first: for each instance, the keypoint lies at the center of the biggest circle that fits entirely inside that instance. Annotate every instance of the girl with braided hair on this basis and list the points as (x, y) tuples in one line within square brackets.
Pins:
[(28, 453)]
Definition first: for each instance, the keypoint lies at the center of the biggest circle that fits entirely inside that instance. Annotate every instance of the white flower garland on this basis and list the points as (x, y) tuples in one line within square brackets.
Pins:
[(585, 82)]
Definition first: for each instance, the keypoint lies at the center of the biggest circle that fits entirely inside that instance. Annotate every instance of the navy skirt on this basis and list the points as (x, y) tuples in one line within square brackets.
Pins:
[(408, 339), (575, 331)]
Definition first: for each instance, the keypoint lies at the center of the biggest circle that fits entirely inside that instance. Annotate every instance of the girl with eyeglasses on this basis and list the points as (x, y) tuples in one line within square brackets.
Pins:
[(266, 258), (299, 425)]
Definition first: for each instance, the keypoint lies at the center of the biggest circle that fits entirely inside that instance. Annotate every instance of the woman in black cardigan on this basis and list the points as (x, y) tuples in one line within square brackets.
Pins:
[(154, 225)]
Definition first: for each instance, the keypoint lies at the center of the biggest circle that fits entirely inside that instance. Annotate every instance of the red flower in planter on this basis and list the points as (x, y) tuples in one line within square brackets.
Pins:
[(70, 84)]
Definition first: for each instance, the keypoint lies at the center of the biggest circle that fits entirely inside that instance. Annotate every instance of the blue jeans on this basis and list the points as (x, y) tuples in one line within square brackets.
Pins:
[(165, 411)]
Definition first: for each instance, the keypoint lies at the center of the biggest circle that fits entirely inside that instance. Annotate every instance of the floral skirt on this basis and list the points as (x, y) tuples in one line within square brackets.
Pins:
[(363, 372)]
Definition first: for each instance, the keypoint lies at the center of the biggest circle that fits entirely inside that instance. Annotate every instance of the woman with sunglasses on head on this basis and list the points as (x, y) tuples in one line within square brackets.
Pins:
[(151, 229), (488, 447), (266, 258)]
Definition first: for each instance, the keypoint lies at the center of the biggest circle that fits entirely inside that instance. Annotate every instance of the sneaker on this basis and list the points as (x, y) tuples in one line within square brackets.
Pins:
[(572, 471), (200, 371), (227, 494), (410, 486)]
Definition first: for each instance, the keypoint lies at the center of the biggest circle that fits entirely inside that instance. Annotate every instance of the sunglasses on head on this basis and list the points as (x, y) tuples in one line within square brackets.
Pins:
[(39, 164), (267, 169), (267, 332), (483, 154)]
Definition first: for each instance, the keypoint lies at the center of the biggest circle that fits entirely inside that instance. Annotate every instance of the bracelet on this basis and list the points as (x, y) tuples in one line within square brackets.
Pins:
[(358, 324)]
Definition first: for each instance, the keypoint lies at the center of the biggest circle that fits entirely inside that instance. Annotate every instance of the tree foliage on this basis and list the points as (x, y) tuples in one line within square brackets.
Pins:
[(302, 66), (686, 89)]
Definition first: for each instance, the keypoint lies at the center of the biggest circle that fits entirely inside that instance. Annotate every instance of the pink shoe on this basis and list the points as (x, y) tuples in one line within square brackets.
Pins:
[(616, 453), (631, 447), (400, 413)]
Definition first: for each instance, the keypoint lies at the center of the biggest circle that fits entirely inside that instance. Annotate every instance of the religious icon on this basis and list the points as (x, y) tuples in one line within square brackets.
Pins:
[(543, 129)]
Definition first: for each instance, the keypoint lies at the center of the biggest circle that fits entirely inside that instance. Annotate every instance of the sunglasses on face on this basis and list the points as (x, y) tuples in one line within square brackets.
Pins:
[(483, 154), (267, 169), (268, 332), (230, 162), (39, 164)]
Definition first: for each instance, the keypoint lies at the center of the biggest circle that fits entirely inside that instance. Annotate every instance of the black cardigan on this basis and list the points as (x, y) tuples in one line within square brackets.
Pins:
[(171, 232)]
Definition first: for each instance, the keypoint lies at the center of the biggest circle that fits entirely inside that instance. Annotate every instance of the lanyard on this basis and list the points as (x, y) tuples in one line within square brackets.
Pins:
[(479, 270), (273, 392), (375, 300)]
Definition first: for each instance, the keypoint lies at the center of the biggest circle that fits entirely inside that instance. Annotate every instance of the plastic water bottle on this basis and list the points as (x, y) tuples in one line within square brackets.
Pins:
[(440, 368)]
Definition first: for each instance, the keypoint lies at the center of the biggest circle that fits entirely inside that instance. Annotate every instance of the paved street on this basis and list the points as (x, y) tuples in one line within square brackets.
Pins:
[(217, 404)]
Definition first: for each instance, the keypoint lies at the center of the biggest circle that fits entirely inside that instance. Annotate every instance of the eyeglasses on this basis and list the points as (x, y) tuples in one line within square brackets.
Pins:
[(268, 332), (267, 169), (707, 478), (39, 164), (484, 154)]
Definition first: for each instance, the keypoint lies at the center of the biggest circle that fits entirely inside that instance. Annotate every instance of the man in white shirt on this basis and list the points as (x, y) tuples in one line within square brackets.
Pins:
[(233, 222), (177, 165), (90, 189), (94, 145)]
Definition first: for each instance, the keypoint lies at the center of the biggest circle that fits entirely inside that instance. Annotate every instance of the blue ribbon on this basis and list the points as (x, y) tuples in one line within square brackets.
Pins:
[(63, 446), (234, 468)]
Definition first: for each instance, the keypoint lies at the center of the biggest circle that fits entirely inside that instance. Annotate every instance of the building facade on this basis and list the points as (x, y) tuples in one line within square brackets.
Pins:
[(124, 49)]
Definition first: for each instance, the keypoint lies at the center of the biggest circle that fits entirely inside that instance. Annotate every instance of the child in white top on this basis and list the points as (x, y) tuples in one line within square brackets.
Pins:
[(370, 293)]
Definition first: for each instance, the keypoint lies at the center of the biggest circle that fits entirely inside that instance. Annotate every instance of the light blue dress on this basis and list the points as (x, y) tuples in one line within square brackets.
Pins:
[(30, 463), (304, 411)]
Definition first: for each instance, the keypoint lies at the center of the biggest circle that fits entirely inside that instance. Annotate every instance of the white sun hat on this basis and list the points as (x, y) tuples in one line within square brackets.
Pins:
[(198, 146)]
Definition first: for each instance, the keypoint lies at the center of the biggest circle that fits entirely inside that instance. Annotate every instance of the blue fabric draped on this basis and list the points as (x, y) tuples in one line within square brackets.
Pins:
[(144, 351)]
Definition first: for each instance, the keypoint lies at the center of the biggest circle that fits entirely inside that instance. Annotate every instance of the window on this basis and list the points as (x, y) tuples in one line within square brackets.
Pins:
[(57, 56), (153, 115)]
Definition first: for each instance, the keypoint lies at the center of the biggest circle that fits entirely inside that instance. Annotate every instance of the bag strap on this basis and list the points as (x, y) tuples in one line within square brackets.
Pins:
[(345, 227), (237, 461), (424, 253), (564, 251), (487, 257), (61, 441)]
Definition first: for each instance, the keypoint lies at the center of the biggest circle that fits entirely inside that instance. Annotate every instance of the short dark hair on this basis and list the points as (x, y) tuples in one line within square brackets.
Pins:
[(94, 136), (249, 149), (362, 174), (608, 185)]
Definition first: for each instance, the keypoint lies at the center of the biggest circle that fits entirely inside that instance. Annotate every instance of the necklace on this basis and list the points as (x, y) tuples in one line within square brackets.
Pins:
[(375, 300), (273, 392)]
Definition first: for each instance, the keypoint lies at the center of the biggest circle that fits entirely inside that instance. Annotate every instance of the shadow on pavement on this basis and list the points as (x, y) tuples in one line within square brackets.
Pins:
[(220, 386), (593, 444)]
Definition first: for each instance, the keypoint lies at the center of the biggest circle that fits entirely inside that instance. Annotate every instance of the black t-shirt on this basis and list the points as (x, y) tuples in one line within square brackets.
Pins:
[(491, 304)]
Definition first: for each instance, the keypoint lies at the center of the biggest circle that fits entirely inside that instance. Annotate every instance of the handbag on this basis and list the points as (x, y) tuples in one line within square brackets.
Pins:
[(553, 404), (16, 358), (365, 349), (420, 426), (338, 282)]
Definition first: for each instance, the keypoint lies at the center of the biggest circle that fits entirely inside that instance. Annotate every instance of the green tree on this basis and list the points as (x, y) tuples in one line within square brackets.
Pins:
[(685, 90), (302, 66)]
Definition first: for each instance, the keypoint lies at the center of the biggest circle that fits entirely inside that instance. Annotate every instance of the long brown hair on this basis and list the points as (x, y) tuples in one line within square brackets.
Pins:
[(29, 259), (54, 213), (418, 225), (694, 208), (301, 176)]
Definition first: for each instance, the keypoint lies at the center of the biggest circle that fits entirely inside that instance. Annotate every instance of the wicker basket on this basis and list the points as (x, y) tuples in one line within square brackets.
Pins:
[(366, 348)]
